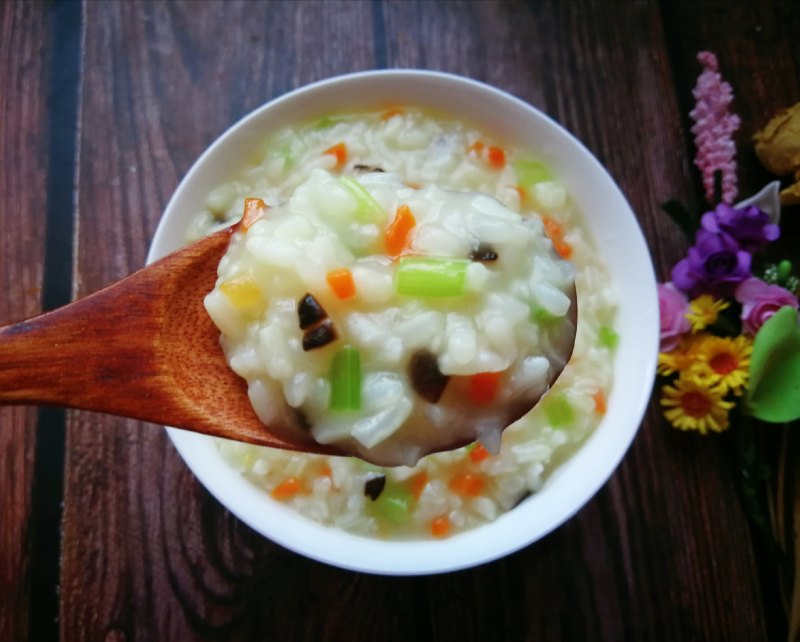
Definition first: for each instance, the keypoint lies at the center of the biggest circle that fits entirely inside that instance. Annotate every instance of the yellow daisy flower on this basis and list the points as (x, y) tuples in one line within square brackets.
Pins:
[(704, 311), (725, 362), (689, 405), (683, 357)]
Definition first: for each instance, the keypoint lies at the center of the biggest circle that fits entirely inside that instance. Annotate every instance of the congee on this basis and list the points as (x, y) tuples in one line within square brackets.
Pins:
[(402, 283)]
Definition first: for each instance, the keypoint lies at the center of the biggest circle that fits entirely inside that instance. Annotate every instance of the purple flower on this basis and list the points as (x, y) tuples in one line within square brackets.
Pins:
[(748, 226), (713, 129), (715, 264), (672, 306), (760, 301)]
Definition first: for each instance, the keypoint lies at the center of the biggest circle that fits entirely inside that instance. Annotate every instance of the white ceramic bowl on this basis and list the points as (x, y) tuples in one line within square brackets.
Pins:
[(621, 245)]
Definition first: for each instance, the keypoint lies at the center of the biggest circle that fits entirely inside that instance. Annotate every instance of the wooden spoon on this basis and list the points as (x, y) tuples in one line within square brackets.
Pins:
[(146, 348), (143, 348)]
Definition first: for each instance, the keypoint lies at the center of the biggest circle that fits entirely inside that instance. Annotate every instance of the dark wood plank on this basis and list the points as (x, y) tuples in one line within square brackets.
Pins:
[(662, 551), (23, 143), (146, 552), (759, 54), (663, 548)]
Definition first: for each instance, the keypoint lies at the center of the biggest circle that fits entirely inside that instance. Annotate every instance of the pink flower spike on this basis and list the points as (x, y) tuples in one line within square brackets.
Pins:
[(673, 307), (713, 129)]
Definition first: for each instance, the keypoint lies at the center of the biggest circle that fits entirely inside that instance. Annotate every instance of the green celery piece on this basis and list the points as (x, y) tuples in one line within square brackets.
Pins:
[(540, 315), (428, 276), (607, 337), (559, 411), (394, 503), (346, 380), (529, 172), (285, 153), (369, 210), (326, 122), (773, 393)]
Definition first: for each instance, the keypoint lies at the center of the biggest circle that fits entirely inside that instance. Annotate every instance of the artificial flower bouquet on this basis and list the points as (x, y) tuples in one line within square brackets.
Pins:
[(730, 340), (729, 330)]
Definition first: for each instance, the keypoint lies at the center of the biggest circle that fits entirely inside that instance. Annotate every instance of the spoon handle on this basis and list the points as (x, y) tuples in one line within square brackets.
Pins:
[(113, 351), (87, 354), (142, 348)]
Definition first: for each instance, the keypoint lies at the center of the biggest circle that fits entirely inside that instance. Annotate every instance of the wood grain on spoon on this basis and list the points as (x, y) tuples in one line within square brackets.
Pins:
[(143, 348)]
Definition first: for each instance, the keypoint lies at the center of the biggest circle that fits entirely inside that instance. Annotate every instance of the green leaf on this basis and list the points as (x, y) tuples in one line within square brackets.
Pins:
[(754, 471), (685, 220), (774, 390), (717, 187)]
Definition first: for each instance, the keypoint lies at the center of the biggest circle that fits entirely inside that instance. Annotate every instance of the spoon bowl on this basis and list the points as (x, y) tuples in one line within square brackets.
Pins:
[(154, 356)]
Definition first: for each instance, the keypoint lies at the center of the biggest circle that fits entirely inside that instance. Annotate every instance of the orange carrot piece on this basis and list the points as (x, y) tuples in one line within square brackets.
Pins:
[(397, 233), (476, 148), (254, 209), (341, 282), (339, 152), (390, 113), (555, 232), (418, 483), (552, 228), (599, 402), (479, 453), (286, 488), (563, 248), (483, 387), (440, 527), (325, 470), (496, 157), (467, 484)]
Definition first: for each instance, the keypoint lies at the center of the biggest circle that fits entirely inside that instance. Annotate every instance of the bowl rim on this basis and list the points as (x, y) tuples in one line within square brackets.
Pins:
[(512, 530)]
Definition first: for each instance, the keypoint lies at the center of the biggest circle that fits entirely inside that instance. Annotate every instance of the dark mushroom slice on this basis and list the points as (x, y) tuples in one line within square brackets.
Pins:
[(365, 169), (374, 486), (426, 378), (483, 252), (320, 336), (309, 311)]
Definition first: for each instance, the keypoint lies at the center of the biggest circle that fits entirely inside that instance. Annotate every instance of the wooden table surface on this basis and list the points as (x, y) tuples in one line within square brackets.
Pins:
[(106, 535)]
